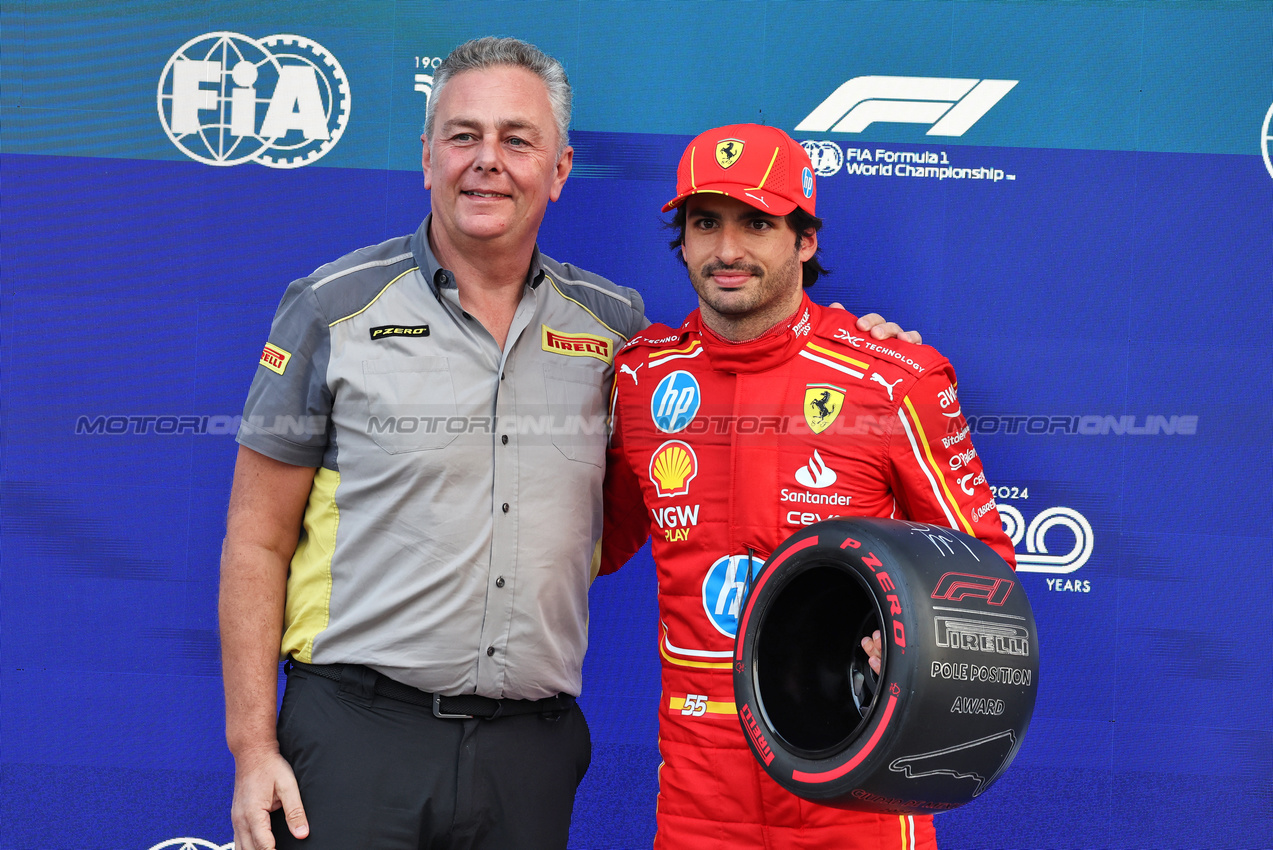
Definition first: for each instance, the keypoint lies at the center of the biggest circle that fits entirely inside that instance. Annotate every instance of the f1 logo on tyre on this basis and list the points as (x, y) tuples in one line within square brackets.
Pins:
[(956, 587)]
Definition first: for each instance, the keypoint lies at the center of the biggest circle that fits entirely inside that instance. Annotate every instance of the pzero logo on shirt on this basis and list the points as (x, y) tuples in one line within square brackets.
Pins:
[(822, 403), (672, 467), (274, 358), (399, 330), (577, 345)]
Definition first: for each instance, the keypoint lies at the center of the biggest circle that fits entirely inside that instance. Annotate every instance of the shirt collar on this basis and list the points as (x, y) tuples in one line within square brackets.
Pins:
[(777, 345), (440, 278)]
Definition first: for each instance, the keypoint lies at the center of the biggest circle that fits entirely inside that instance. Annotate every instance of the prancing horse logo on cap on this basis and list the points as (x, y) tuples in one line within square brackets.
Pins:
[(728, 151)]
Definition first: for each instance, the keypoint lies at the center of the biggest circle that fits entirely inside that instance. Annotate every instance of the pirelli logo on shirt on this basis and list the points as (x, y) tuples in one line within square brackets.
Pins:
[(274, 358), (577, 345)]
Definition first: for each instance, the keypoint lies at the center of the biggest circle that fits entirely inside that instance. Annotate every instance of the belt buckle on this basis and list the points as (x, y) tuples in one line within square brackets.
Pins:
[(437, 711)]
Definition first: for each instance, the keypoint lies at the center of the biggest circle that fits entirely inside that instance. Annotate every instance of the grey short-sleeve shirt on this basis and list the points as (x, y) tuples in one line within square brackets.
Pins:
[(449, 533)]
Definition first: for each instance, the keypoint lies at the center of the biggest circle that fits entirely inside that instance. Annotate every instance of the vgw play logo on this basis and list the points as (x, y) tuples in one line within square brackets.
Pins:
[(227, 99)]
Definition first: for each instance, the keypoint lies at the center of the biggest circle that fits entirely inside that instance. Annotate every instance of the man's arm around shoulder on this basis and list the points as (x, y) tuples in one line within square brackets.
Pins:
[(267, 503), (878, 328)]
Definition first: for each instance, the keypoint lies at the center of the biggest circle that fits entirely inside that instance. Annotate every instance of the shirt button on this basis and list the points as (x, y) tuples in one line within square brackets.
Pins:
[(505, 507), (499, 582), (490, 650), (504, 439)]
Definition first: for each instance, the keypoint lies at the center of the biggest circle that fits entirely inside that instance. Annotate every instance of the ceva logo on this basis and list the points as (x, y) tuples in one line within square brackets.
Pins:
[(951, 106), (227, 99)]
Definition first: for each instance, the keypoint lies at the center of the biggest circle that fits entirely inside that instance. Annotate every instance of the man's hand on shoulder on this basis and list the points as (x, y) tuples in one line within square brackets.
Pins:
[(879, 329), (263, 782)]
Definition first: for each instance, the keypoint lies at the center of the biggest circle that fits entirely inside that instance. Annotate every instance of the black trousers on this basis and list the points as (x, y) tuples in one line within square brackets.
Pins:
[(380, 774)]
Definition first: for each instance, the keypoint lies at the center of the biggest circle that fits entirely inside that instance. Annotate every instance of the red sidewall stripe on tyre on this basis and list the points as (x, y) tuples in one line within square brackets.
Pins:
[(836, 773), (770, 568)]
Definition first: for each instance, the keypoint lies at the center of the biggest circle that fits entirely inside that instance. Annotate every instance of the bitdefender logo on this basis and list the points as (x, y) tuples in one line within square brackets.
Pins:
[(226, 99), (950, 105)]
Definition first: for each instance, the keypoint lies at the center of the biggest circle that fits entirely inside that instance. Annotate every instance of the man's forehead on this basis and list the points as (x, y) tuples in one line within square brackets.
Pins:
[(499, 83), (461, 119)]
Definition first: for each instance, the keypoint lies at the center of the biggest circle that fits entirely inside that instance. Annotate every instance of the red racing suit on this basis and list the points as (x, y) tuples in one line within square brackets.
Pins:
[(720, 451)]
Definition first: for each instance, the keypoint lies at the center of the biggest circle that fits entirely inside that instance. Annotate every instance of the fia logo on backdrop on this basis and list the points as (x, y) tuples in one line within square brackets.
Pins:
[(226, 99)]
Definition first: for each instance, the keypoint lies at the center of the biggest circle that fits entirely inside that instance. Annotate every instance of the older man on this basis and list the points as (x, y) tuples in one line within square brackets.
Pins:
[(434, 623), (761, 413)]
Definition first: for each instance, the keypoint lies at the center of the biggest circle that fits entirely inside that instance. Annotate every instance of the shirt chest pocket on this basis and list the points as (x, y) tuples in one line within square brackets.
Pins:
[(577, 399), (410, 403)]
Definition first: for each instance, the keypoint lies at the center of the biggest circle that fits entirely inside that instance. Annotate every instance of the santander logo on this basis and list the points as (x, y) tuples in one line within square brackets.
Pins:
[(815, 474)]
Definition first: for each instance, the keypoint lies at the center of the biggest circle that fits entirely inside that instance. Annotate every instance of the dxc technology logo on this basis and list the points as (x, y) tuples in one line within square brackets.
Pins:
[(227, 99), (951, 106)]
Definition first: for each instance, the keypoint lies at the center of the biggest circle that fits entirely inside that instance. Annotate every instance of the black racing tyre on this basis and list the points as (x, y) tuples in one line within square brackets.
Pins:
[(960, 667)]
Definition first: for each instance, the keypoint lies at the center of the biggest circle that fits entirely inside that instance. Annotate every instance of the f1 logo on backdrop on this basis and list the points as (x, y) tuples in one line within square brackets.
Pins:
[(950, 105), (227, 99)]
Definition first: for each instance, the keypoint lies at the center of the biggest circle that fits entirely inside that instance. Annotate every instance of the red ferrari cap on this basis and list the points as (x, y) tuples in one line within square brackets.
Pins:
[(760, 166)]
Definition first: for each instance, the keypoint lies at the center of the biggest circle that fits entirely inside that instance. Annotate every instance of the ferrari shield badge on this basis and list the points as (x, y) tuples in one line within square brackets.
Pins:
[(728, 151), (822, 403)]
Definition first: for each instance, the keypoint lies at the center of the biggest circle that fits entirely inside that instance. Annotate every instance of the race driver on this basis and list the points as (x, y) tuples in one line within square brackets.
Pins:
[(760, 414)]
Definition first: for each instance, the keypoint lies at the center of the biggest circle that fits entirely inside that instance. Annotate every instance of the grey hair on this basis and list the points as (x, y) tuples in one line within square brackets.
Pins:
[(489, 52)]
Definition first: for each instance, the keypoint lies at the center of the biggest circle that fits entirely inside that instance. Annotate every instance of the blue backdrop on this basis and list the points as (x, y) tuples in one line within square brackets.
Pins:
[(1094, 252)]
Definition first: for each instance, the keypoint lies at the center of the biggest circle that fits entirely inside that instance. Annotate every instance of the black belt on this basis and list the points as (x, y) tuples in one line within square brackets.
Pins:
[(463, 707)]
